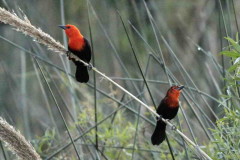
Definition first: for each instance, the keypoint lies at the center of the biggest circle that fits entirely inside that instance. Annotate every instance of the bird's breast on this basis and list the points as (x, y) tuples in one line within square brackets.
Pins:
[(172, 103), (76, 44)]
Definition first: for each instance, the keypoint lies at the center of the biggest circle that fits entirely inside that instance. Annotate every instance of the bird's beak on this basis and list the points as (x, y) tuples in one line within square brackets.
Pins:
[(180, 87), (62, 26)]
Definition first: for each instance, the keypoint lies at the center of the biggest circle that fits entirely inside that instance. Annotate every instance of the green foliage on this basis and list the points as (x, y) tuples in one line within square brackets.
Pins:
[(227, 133), (233, 73), (227, 136), (234, 53), (44, 144), (115, 133)]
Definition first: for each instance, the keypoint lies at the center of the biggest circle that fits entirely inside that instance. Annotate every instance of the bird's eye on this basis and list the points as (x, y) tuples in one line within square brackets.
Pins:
[(68, 27)]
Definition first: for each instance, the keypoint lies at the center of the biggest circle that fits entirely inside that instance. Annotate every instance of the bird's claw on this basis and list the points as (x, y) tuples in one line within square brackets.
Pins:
[(159, 118), (69, 55), (174, 127), (90, 66)]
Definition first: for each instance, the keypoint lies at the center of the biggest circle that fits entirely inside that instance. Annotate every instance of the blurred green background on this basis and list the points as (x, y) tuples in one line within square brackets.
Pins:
[(176, 42)]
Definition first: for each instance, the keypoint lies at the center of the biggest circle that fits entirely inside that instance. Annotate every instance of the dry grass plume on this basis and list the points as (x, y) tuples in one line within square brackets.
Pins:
[(16, 142)]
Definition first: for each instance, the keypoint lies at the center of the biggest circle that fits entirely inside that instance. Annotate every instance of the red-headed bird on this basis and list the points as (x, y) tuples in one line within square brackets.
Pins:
[(79, 46), (168, 109)]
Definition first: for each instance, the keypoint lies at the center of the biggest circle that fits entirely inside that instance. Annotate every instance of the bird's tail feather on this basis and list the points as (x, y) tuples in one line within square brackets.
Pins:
[(159, 134), (81, 73)]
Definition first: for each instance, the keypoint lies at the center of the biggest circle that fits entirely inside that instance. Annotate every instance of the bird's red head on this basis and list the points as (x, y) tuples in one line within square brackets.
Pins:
[(174, 92), (172, 97), (71, 31), (75, 38)]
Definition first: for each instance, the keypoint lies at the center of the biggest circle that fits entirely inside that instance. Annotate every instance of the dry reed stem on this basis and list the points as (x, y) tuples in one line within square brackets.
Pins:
[(16, 142)]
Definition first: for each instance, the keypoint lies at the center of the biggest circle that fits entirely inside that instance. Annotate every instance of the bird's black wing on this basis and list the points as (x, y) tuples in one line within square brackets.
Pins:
[(84, 54), (87, 51), (161, 107)]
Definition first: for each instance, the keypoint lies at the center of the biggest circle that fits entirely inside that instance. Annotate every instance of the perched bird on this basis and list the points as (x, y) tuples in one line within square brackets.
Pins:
[(168, 109), (79, 46)]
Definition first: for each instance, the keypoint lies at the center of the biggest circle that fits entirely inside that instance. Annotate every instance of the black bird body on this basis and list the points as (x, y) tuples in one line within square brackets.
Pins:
[(85, 55), (168, 109)]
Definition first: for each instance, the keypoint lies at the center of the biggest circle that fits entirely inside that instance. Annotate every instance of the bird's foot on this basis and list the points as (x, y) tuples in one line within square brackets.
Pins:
[(69, 55), (90, 66), (159, 118), (173, 127)]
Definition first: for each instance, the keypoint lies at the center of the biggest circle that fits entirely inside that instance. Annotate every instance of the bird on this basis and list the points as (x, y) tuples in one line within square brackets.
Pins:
[(167, 109), (79, 46)]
